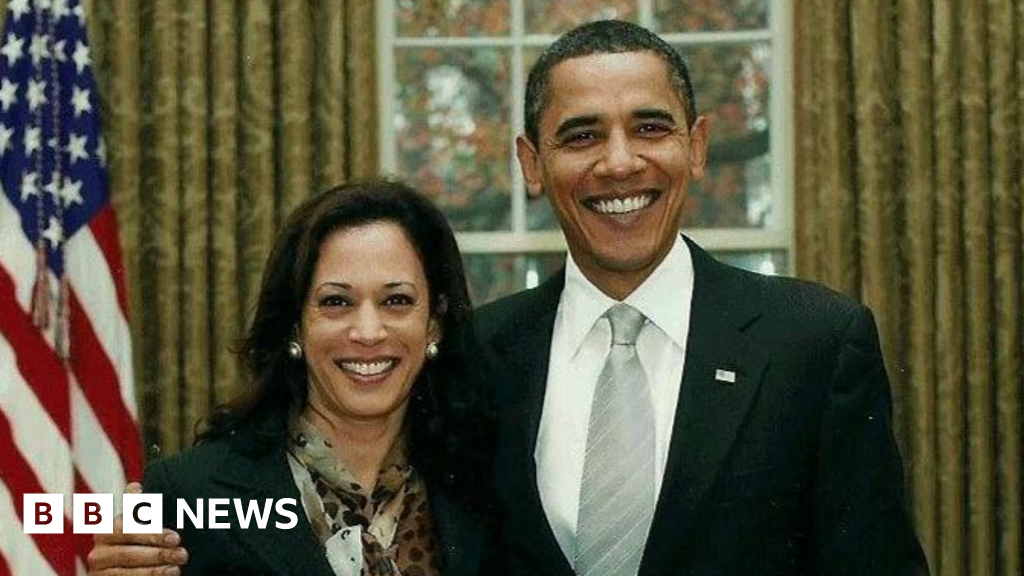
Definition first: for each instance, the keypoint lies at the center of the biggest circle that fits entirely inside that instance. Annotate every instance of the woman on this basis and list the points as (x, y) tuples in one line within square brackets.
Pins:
[(363, 404)]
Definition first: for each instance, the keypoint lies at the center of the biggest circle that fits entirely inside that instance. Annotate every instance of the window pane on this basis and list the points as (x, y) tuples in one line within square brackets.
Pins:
[(555, 17), (731, 89), (492, 276), (452, 17), (773, 263), (710, 15), (452, 131)]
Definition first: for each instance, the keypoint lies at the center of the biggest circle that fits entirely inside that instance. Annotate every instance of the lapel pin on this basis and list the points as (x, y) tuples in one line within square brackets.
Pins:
[(726, 376)]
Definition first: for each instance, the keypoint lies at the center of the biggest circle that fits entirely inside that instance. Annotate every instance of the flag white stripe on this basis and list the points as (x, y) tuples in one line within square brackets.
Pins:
[(98, 295), (17, 548), (95, 457), (16, 253), (34, 433)]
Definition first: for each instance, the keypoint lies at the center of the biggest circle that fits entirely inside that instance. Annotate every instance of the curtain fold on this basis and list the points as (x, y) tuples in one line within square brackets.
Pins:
[(220, 116), (910, 152)]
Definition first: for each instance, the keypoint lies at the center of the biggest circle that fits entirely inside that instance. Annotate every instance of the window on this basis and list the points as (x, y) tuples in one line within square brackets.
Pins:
[(452, 76)]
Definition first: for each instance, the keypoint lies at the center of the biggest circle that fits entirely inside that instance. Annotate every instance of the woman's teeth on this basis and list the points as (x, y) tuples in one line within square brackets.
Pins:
[(368, 368)]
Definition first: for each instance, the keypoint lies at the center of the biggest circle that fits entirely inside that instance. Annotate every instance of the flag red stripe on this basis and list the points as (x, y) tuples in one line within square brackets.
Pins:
[(99, 383), (5, 570), (37, 362), (16, 474), (104, 230)]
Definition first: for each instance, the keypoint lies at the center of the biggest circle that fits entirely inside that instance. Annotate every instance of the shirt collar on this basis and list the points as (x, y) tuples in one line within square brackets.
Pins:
[(583, 303)]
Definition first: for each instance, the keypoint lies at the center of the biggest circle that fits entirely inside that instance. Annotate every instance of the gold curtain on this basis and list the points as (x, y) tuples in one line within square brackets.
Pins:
[(910, 156), (219, 117)]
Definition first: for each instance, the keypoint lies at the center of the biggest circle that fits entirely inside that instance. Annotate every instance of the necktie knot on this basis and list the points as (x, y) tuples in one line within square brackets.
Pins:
[(626, 323)]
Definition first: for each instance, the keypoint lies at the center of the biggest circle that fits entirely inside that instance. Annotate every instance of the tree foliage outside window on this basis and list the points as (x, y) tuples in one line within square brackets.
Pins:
[(454, 131)]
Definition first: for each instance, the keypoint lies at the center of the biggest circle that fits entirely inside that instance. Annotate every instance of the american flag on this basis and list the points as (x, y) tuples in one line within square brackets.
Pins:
[(67, 410)]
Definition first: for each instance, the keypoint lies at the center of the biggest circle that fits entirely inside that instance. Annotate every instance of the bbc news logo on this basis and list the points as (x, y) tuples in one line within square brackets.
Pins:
[(143, 513)]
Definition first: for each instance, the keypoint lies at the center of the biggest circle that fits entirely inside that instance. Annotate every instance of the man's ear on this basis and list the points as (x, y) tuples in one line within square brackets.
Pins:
[(698, 147), (529, 163)]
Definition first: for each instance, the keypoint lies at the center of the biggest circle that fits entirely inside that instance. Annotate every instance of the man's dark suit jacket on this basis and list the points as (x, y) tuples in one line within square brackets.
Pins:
[(792, 469), (243, 466)]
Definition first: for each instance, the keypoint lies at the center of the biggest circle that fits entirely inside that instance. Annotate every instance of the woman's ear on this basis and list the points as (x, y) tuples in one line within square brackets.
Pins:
[(435, 329)]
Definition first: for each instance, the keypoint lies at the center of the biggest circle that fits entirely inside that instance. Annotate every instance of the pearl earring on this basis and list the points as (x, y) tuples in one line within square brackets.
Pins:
[(295, 350), (432, 350)]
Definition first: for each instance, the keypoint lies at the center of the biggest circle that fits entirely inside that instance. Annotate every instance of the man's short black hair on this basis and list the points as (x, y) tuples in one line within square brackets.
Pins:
[(602, 37)]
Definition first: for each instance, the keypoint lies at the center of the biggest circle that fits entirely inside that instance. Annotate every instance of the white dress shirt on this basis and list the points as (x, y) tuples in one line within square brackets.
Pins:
[(579, 346)]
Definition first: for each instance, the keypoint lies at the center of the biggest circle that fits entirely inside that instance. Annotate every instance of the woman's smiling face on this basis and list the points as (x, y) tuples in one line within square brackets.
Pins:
[(366, 322)]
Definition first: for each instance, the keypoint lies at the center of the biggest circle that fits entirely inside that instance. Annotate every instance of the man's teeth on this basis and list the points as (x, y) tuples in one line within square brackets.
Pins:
[(368, 368), (620, 206)]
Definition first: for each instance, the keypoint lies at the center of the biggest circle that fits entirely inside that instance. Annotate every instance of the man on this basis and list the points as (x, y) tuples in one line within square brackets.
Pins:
[(662, 413), (772, 450)]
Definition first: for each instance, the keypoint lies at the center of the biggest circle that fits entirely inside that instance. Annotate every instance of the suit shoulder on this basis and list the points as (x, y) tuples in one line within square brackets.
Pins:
[(188, 467), (494, 316), (800, 303), (203, 455), (804, 296)]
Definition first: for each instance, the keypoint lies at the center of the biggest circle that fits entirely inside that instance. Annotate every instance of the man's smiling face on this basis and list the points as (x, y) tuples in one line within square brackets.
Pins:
[(615, 158)]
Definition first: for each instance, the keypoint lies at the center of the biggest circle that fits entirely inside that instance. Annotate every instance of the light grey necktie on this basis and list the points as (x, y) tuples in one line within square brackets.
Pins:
[(617, 492)]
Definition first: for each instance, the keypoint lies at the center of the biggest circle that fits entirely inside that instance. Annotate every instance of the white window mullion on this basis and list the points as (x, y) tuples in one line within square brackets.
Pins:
[(386, 158), (517, 90), (714, 239), (780, 103), (645, 13), (541, 40), (724, 37), (454, 41)]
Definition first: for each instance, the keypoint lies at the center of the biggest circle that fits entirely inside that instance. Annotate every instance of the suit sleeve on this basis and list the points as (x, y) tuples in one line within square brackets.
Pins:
[(861, 520), (170, 477)]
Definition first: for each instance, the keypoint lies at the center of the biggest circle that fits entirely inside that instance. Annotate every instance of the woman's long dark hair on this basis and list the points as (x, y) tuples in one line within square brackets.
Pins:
[(448, 423)]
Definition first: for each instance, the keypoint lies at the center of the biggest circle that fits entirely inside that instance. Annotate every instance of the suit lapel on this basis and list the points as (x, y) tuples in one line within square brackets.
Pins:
[(252, 474), (710, 409), (523, 347)]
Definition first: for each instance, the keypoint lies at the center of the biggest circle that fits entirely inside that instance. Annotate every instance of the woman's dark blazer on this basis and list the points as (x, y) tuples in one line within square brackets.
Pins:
[(249, 466)]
